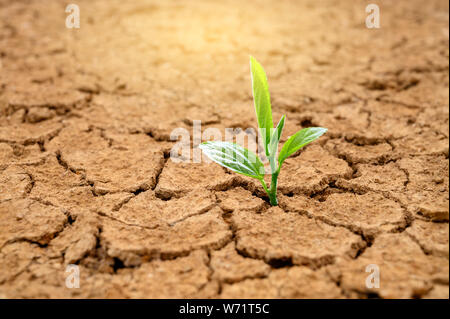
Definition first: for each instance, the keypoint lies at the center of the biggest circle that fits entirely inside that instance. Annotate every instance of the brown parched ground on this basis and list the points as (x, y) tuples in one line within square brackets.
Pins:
[(85, 174)]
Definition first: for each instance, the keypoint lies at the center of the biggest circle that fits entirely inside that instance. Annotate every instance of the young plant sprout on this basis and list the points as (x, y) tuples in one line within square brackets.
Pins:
[(245, 162)]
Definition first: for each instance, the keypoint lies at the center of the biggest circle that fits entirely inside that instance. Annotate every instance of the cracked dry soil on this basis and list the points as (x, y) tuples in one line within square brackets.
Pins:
[(85, 122)]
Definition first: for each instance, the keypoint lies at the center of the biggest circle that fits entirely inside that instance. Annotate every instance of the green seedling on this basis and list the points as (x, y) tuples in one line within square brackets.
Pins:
[(245, 162)]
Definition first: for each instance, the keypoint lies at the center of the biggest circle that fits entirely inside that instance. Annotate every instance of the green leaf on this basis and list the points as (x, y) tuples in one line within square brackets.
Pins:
[(298, 140), (276, 135), (234, 157), (261, 98)]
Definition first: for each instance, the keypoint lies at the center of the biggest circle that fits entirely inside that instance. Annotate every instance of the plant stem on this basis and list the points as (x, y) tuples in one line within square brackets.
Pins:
[(272, 192), (273, 189)]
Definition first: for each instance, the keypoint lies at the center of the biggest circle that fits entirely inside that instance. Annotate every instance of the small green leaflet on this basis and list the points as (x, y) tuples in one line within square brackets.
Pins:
[(261, 98), (234, 157), (276, 135), (298, 140)]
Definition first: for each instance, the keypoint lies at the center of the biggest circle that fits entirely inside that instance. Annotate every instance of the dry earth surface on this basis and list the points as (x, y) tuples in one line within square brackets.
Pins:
[(85, 174)]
